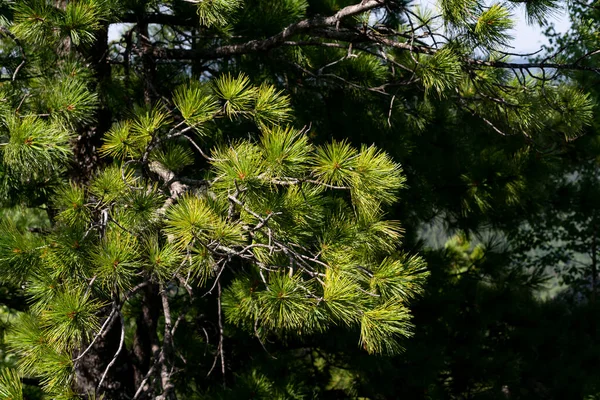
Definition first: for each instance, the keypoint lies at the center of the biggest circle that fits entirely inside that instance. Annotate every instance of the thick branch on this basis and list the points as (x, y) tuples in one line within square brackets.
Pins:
[(254, 46), (176, 188)]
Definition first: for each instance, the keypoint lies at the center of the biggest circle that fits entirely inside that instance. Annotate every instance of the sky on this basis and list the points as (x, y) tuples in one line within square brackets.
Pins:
[(527, 38), (530, 38)]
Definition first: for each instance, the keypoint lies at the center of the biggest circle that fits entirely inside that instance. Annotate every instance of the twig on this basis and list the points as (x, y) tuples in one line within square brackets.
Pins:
[(221, 352), (165, 354), (107, 323), (114, 360), (260, 341), (104, 325), (199, 149), (390, 111), (148, 375)]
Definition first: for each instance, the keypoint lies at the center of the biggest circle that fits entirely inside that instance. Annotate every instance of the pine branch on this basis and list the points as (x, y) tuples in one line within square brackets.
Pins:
[(328, 28), (176, 187), (168, 348), (254, 46), (118, 352), (109, 320)]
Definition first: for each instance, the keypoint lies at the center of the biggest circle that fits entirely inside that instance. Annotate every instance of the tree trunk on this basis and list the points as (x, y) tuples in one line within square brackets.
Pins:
[(594, 265), (148, 62), (90, 138)]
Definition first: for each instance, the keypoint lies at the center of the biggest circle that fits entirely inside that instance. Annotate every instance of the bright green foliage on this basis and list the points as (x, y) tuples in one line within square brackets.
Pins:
[(112, 183), (191, 219), (265, 203), (215, 12), (440, 71), (36, 29), (128, 139), (18, 251), (380, 325), (72, 315), (398, 279), (285, 151), (237, 93), (35, 146), (82, 19), (196, 104), (161, 260), (492, 26), (272, 106), (70, 201), (38, 356), (10, 385), (116, 260), (241, 161), (342, 296), (335, 164), (68, 99), (285, 304), (174, 157), (118, 143), (35, 19)]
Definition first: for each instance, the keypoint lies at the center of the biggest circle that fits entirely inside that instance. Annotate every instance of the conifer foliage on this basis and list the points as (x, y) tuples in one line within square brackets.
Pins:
[(184, 203), (301, 227)]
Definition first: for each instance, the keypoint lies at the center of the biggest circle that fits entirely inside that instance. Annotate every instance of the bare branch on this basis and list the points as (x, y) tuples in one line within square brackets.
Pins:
[(275, 40), (114, 359), (100, 332), (221, 353), (167, 349)]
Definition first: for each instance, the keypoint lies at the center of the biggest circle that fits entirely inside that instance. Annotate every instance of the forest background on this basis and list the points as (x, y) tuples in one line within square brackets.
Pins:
[(298, 199)]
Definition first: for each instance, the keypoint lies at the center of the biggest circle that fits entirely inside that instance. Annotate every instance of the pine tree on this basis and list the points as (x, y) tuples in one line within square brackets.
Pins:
[(187, 206)]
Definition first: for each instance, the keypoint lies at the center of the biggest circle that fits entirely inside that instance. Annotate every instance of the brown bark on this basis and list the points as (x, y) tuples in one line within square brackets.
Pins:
[(594, 264), (89, 140), (64, 47), (148, 61)]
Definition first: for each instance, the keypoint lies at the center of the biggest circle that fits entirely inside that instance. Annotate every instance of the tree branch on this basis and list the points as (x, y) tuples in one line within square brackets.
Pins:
[(114, 360), (275, 40), (328, 28)]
